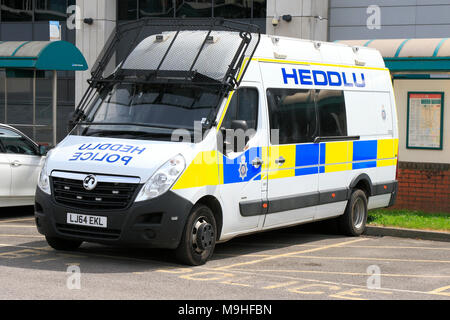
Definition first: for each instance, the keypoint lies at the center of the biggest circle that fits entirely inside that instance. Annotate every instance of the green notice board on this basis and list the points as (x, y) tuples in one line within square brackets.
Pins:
[(425, 120)]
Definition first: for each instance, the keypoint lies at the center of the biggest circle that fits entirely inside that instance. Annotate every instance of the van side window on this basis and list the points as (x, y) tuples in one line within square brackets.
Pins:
[(243, 106), (293, 113), (332, 114)]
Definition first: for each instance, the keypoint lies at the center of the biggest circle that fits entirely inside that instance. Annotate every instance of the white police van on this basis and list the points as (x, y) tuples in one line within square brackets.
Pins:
[(320, 142)]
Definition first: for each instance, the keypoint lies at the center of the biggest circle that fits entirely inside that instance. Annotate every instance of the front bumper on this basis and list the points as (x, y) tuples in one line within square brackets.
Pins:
[(157, 223)]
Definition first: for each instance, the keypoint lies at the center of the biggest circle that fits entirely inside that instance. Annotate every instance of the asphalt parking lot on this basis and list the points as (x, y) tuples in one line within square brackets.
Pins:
[(295, 263)]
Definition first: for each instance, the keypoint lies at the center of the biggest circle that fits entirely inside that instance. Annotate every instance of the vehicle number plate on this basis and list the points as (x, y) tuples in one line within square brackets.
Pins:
[(84, 220)]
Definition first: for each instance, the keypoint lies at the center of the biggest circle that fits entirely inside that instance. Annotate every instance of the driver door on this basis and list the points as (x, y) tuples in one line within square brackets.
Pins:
[(244, 184)]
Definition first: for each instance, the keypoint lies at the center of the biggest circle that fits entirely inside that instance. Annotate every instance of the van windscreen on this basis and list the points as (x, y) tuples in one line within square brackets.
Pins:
[(148, 111)]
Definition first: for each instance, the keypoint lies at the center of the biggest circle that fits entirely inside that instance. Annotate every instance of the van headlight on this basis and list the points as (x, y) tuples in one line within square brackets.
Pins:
[(163, 179), (44, 179)]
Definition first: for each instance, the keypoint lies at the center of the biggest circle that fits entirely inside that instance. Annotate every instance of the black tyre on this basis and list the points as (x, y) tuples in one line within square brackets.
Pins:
[(63, 244), (353, 222), (199, 237)]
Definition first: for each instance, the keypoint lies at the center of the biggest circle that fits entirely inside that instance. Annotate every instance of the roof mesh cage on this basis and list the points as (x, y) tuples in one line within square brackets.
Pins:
[(159, 50), (183, 49)]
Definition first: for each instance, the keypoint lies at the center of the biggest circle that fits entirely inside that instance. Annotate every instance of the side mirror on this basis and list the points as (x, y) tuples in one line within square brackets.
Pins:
[(239, 124), (43, 150)]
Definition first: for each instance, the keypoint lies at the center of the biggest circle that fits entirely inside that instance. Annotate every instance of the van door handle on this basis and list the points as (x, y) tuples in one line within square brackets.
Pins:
[(280, 161), (257, 163)]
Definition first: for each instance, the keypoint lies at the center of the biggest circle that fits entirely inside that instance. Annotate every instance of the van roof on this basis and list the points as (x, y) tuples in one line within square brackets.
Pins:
[(293, 49), (188, 51)]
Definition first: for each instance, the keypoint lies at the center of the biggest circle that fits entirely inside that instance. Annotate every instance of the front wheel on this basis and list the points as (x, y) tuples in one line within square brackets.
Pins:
[(63, 244), (353, 222), (199, 237)]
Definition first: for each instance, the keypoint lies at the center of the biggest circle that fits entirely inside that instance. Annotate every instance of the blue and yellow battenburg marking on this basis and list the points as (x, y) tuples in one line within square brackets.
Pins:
[(213, 168)]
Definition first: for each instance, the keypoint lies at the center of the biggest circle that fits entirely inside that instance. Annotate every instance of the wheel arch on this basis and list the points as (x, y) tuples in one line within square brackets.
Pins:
[(364, 183), (213, 203)]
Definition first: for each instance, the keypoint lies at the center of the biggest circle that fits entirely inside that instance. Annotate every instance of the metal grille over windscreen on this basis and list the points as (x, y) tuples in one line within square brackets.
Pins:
[(184, 53)]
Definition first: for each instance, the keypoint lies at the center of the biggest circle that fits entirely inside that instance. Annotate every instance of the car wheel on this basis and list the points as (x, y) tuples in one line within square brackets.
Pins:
[(199, 237), (353, 222), (63, 244)]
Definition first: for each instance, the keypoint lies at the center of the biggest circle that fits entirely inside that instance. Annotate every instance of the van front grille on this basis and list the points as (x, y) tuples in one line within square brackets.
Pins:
[(105, 196)]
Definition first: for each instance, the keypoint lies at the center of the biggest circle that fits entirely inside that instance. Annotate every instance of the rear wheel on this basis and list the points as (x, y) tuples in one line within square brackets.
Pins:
[(63, 244), (199, 237), (353, 222)]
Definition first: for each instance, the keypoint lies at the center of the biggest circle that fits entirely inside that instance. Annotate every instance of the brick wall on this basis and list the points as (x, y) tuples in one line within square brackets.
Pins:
[(424, 186)]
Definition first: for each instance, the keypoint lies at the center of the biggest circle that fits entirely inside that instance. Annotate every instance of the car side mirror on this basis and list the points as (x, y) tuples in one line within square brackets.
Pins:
[(239, 124), (43, 150)]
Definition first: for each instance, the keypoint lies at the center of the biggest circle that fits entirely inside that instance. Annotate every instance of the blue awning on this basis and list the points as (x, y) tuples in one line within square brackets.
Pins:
[(41, 55)]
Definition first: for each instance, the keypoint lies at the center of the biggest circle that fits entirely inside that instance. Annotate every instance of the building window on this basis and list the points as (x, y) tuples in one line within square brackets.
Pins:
[(233, 9), (46, 10), (259, 9), (229, 9), (35, 10), (156, 8), (195, 8), (17, 10), (127, 10)]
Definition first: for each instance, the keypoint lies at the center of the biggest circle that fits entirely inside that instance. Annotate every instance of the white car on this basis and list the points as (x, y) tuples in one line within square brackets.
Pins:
[(20, 164)]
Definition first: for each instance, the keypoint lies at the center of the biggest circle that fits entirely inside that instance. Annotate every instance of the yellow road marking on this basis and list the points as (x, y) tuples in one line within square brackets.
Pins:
[(207, 276), (281, 285), (88, 254), (284, 255), (47, 260), (234, 283), (353, 294), (344, 273), (274, 244), (441, 291), (20, 254), (15, 226), (175, 270), (19, 236), (16, 220), (374, 259), (241, 255), (395, 247), (285, 277), (25, 247), (301, 290), (61, 256)]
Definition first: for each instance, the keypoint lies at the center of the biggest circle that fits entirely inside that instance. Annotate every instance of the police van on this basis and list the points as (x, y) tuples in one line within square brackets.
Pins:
[(154, 159)]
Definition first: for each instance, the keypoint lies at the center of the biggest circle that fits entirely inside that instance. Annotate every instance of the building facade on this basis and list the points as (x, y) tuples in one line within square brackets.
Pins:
[(388, 19), (28, 20)]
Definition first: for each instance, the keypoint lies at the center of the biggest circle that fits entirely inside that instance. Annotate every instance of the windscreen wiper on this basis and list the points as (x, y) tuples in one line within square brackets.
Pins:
[(115, 133)]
